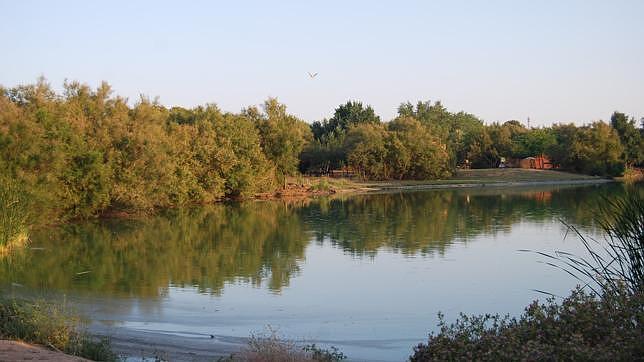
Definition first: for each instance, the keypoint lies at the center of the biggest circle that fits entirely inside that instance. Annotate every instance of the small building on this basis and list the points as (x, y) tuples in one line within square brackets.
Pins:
[(539, 162)]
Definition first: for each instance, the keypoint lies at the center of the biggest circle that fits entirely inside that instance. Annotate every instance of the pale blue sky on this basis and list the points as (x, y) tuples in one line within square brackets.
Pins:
[(552, 61)]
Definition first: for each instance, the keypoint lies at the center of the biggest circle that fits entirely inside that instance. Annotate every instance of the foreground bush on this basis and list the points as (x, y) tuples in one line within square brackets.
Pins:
[(606, 324), (583, 327), (50, 326), (271, 347)]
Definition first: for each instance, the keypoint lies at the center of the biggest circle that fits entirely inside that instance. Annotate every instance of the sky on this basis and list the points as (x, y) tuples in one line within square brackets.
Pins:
[(551, 61)]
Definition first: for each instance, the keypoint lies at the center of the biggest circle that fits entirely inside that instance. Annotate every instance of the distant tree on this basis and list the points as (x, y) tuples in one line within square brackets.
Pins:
[(283, 136), (534, 142), (451, 129), (346, 115), (630, 138), (434, 116), (594, 149), (366, 150), (320, 157), (414, 153), (479, 149)]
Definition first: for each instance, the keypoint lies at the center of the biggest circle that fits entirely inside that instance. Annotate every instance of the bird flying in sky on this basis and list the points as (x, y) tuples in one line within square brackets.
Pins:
[(312, 75)]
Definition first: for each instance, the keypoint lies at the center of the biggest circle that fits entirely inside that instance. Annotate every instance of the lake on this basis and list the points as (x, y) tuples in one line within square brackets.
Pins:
[(367, 273)]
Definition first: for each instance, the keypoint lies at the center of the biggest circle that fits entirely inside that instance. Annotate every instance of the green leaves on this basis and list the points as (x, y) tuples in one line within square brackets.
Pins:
[(283, 136)]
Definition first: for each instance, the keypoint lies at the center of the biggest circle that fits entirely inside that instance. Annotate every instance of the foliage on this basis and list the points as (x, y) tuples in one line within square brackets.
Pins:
[(324, 355), (366, 150), (13, 216), (413, 152), (593, 149), (51, 326), (630, 138), (270, 347), (605, 324), (322, 185), (345, 116), (85, 152), (283, 136), (322, 156), (582, 327)]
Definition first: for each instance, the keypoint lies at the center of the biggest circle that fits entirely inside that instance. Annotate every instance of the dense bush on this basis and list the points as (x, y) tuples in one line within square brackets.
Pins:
[(85, 151), (593, 149), (52, 326), (606, 324), (583, 327)]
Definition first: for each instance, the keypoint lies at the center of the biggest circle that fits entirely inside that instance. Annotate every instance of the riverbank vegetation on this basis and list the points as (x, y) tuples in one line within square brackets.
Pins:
[(85, 152), (13, 217), (52, 326), (604, 323), (270, 346)]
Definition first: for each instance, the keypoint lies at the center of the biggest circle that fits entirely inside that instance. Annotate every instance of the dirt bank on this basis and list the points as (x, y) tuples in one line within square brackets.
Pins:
[(20, 351)]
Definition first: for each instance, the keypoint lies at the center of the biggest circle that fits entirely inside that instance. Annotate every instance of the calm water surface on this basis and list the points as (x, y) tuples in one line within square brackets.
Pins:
[(366, 273)]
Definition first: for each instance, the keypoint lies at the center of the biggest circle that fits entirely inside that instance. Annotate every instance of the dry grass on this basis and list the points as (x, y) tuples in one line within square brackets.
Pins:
[(462, 177), (270, 347)]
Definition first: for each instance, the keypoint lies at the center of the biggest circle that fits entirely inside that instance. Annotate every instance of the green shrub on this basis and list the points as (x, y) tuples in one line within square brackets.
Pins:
[(583, 327), (13, 216), (52, 326), (605, 324), (322, 185)]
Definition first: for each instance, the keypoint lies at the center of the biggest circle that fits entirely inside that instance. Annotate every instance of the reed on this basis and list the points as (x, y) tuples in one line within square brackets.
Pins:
[(617, 263), (13, 216)]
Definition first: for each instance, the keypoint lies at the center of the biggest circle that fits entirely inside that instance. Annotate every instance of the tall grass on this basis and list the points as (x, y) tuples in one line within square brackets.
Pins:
[(13, 216), (603, 325), (618, 263)]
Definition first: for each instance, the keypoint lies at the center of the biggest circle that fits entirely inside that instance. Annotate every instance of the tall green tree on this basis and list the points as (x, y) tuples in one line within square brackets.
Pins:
[(594, 149), (414, 152), (346, 115), (630, 137), (283, 136), (366, 150)]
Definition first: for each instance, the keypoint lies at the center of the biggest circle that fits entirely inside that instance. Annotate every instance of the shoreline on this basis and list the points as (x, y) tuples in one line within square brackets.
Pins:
[(356, 188), (15, 350), (430, 186), (308, 188)]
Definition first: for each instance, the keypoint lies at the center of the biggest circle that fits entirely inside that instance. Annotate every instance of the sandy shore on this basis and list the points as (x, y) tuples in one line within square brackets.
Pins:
[(487, 184), (20, 351), (140, 345)]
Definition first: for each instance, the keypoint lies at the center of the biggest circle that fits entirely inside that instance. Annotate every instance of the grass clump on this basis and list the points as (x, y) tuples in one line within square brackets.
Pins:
[(51, 326), (601, 321), (270, 347), (322, 185), (13, 216)]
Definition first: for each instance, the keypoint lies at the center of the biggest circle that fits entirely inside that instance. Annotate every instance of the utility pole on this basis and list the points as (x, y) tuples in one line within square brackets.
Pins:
[(528, 122)]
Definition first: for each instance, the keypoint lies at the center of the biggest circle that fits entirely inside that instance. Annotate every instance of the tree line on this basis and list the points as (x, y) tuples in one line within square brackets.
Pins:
[(425, 140), (83, 151)]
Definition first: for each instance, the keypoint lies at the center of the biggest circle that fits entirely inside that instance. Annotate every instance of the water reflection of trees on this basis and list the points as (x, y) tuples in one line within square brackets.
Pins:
[(265, 242), (424, 223), (205, 248)]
